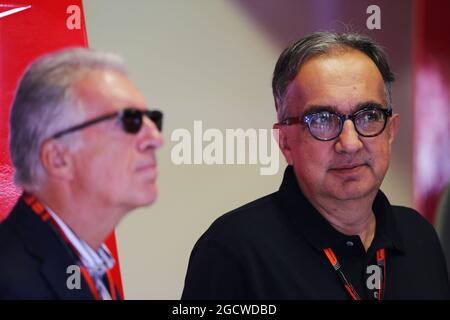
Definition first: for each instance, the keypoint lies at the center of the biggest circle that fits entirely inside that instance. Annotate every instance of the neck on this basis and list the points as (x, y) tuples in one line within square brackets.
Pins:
[(350, 217), (90, 220)]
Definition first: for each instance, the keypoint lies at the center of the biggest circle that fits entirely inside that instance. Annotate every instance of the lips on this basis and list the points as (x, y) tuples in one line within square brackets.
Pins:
[(144, 167), (348, 166), (148, 171), (348, 169)]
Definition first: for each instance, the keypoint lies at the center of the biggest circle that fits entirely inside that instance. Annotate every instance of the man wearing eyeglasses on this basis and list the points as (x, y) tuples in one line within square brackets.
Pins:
[(329, 232), (83, 145)]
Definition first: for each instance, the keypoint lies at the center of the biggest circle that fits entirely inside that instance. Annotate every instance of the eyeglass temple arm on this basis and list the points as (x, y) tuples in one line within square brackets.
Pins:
[(84, 125), (289, 121), (388, 111)]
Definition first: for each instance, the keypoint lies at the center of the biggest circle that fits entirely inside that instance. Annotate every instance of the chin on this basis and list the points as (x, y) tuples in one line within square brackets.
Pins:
[(350, 189), (353, 192), (150, 197), (144, 198)]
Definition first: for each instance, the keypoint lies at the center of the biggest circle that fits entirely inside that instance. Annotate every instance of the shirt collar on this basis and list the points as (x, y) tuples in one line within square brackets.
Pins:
[(319, 232), (96, 261)]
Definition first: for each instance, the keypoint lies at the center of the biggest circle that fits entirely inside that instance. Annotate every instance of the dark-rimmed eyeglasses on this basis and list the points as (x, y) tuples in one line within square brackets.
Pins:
[(130, 118), (327, 125)]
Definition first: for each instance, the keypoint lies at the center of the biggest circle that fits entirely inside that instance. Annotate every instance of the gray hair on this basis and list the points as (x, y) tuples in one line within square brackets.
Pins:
[(320, 43), (45, 103)]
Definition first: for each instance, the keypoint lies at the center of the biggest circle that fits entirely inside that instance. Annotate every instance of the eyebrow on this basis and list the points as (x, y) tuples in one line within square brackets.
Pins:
[(333, 109)]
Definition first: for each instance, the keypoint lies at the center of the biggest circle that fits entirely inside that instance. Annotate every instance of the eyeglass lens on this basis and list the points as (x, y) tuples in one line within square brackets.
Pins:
[(326, 125), (132, 119)]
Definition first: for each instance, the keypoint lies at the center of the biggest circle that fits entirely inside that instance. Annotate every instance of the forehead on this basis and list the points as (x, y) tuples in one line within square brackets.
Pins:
[(107, 91), (342, 80)]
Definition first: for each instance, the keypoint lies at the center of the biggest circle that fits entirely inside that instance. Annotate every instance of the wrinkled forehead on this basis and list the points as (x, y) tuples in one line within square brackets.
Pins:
[(104, 91), (342, 80)]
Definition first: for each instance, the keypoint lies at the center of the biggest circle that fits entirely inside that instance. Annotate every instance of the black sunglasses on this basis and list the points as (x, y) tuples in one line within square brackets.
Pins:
[(130, 118)]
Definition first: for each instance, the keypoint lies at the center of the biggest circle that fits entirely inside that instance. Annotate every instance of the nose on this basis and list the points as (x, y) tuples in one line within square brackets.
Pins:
[(150, 136), (348, 141)]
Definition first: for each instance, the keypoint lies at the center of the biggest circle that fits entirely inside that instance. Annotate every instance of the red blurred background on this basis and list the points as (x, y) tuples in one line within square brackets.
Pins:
[(24, 35)]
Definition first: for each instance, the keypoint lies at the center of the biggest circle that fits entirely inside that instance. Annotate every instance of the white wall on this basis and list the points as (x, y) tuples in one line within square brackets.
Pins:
[(212, 60)]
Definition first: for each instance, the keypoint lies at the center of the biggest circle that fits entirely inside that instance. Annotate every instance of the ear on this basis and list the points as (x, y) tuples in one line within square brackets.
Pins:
[(56, 160), (279, 133), (394, 124)]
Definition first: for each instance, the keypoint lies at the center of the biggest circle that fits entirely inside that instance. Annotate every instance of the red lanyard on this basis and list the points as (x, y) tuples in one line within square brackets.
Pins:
[(93, 288), (381, 262), (42, 212)]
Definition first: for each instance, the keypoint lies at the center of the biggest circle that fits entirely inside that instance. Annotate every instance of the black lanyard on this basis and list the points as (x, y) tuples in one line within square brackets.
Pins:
[(39, 209), (381, 262)]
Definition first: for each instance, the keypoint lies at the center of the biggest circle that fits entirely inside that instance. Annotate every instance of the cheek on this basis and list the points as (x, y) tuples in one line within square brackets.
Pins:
[(311, 157), (110, 167), (120, 167), (379, 155)]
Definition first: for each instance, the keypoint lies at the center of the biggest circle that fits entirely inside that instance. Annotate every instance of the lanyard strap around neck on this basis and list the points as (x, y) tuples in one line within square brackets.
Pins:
[(38, 208), (381, 262)]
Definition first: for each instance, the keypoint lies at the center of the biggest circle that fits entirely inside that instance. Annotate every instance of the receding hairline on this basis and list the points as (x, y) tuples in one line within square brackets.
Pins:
[(338, 51), (86, 87), (319, 44)]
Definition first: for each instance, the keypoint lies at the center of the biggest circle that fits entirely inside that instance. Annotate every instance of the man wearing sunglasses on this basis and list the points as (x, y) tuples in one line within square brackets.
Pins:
[(329, 232), (83, 143)]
